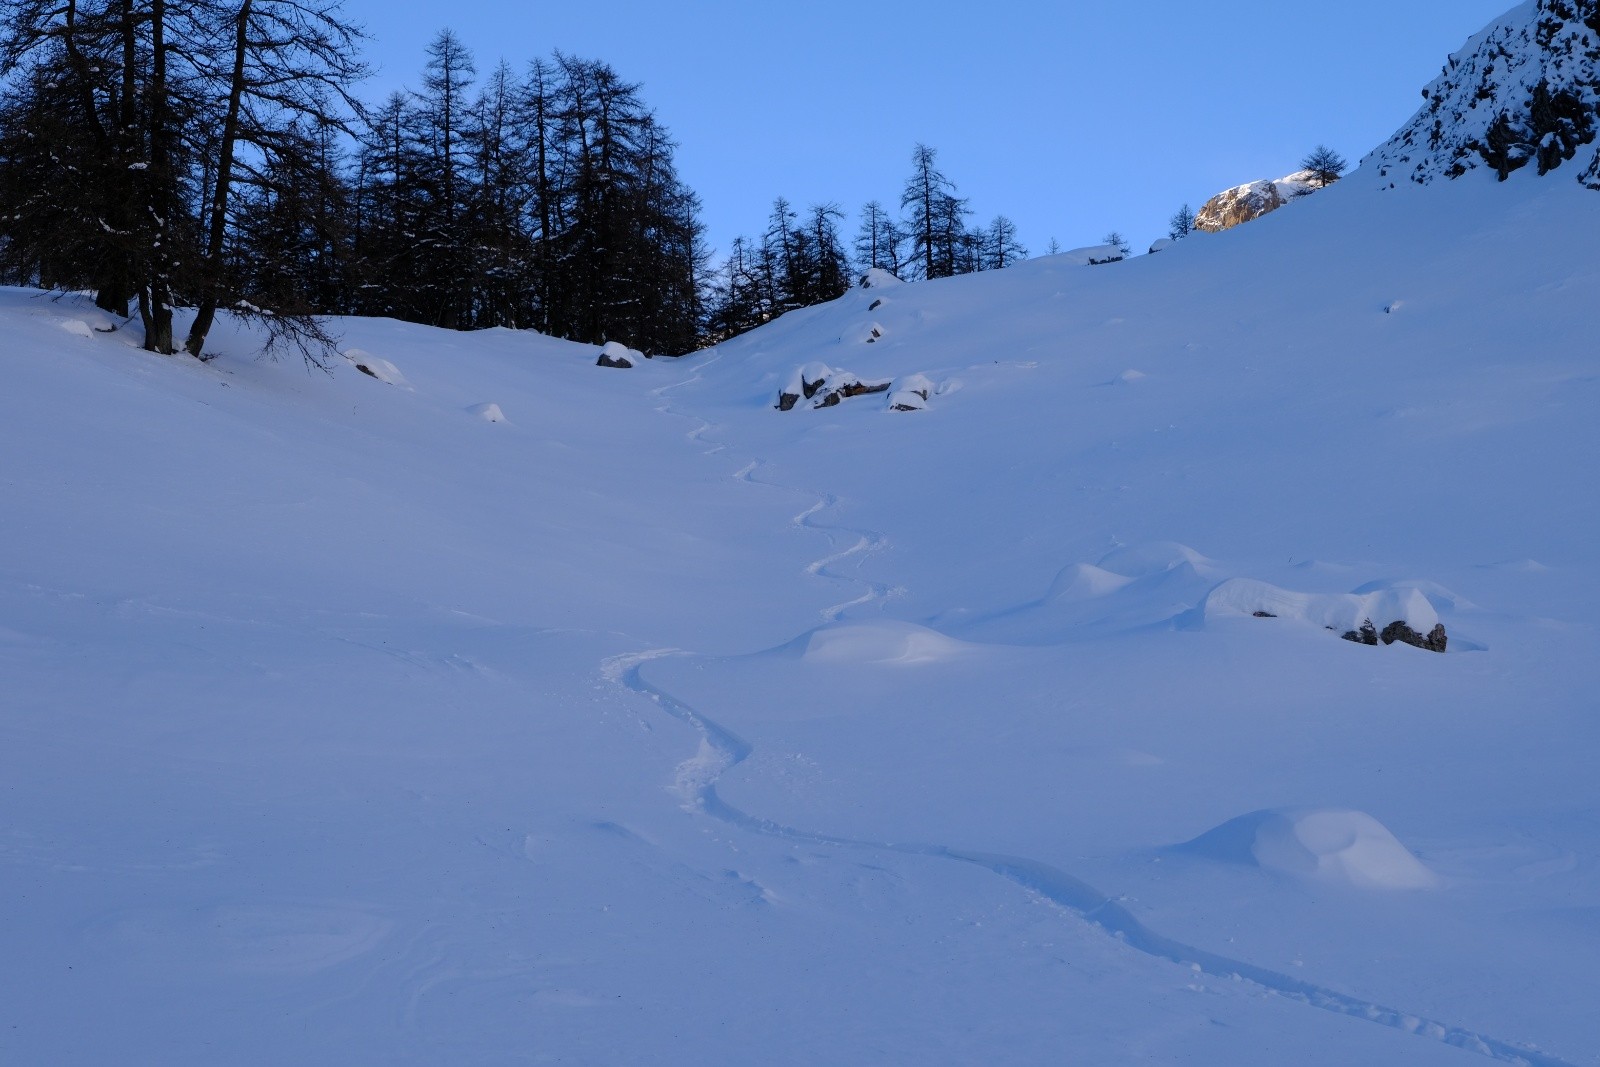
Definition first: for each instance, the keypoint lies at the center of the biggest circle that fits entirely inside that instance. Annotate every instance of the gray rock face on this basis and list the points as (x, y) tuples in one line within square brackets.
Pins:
[(1522, 93)]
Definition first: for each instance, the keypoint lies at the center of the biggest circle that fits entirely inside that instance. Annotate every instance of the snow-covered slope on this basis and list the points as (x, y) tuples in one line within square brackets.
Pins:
[(1523, 93), (495, 707)]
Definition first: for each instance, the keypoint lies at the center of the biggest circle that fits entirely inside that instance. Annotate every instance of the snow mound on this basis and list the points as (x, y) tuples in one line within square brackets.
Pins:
[(487, 412), (905, 400), (1343, 612), (373, 367), (77, 328), (878, 278), (1324, 844), (1090, 256), (616, 354), (1437, 594), (882, 641), (1085, 581), (1153, 557), (864, 333)]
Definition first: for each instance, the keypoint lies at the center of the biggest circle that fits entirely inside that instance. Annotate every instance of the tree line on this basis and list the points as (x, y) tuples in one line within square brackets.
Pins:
[(801, 260), (214, 155)]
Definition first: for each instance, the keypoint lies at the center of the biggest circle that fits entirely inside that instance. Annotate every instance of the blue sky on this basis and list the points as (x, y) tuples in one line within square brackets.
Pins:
[(1071, 118)]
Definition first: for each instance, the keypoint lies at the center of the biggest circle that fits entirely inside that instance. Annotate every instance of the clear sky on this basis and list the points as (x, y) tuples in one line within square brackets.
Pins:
[(1072, 118)]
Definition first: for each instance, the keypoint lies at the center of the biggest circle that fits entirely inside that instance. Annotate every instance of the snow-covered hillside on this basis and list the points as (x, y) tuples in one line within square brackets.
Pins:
[(491, 706), (649, 722)]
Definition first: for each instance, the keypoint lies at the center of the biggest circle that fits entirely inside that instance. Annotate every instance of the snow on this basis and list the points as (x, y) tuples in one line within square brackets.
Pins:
[(376, 367), (1330, 845), (654, 725), (1090, 255), (1341, 612)]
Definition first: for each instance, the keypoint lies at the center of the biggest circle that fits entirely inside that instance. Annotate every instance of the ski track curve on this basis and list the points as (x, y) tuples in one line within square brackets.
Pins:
[(720, 750)]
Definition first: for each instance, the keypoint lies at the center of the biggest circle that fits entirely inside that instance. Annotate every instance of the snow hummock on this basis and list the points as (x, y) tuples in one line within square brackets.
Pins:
[(1343, 612), (487, 412), (1325, 844), (376, 367), (1089, 256), (880, 642), (878, 278)]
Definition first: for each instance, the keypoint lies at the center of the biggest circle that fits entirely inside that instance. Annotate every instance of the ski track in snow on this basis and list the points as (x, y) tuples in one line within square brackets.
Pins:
[(720, 750)]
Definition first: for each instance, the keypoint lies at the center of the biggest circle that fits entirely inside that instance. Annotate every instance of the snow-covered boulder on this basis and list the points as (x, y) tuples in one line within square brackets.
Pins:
[(1403, 614), (618, 355), (1248, 202), (1522, 93), (905, 400), (374, 367), (826, 386), (1161, 245)]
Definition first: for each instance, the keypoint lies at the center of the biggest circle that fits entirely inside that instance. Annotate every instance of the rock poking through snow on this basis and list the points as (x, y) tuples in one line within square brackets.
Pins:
[(1412, 619), (1523, 93), (618, 355), (373, 367), (1248, 202), (825, 386)]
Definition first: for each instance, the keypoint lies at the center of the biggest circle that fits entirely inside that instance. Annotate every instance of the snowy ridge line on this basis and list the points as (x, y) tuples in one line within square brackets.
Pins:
[(721, 750)]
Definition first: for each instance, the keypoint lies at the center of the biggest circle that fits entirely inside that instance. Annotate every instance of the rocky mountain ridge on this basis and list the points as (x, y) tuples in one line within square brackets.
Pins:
[(1523, 92)]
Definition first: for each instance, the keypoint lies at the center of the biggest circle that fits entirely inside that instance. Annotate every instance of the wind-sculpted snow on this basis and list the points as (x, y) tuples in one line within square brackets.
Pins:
[(340, 725), (1337, 846), (1347, 845)]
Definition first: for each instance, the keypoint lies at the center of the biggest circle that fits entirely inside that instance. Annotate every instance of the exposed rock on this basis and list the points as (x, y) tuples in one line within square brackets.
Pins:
[(364, 369), (1399, 630), (1263, 615), (847, 386), (875, 305), (1435, 641), (1248, 202), (809, 385), (825, 386), (1366, 635), (1524, 92)]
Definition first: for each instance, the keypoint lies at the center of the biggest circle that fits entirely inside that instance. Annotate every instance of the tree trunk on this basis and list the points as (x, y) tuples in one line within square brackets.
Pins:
[(211, 269)]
